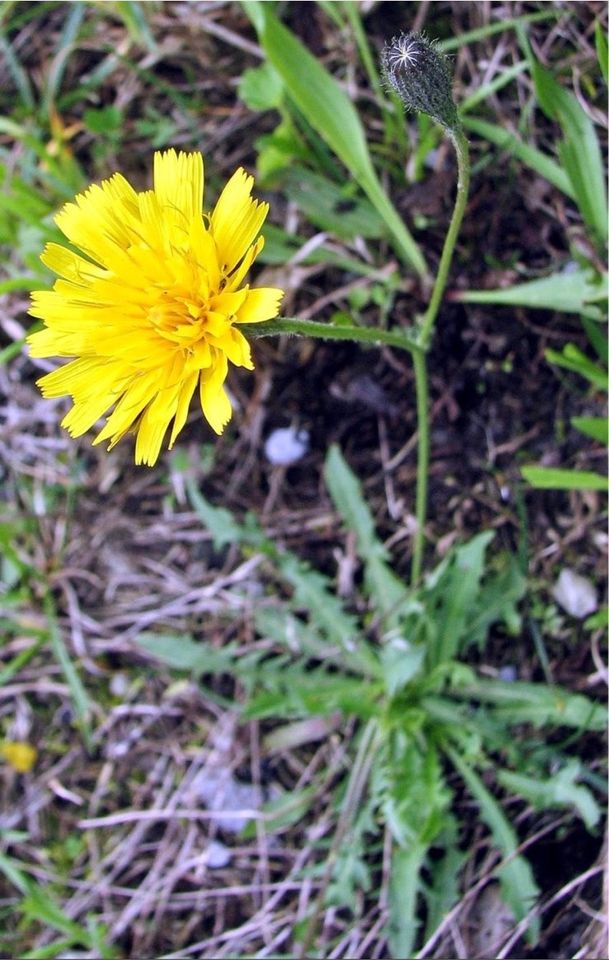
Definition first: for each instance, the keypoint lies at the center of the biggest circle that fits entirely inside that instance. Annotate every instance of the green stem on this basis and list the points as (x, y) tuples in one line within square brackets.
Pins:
[(461, 146), (422, 393), (419, 354), (415, 344), (327, 331)]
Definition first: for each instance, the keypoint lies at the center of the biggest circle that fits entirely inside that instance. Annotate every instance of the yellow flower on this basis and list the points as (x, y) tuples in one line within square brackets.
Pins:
[(152, 307), (19, 755)]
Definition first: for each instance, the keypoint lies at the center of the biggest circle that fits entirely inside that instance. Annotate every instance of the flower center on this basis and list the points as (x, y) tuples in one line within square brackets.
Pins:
[(181, 319)]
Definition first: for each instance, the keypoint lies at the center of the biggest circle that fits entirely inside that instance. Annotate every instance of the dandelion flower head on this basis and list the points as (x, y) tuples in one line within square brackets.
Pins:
[(152, 307)]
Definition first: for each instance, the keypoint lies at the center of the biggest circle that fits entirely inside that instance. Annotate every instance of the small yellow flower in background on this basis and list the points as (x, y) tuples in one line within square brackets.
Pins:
[(19, 755), (151, 309)]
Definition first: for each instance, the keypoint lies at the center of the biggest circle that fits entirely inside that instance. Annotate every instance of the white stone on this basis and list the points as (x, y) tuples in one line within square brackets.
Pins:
[(286, 445), (217, 855), (575, 594)]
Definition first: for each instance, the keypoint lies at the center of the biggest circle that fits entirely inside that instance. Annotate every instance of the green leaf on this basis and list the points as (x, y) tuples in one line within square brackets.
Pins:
[(40, 907), (597, 428), (597, 338), (103, 120), (568, 292), (415, 805), (218, 520), (181, 652), (497, 601), (482, 93), (536, 703), (555, 478), (261, 88), (461, 591), (332, 207), (560, 790), (19, 75), (332, 115), (404, 886), (385, 589), (300, 691), (282, 812), (580, 150), (572, 358), (516, 877), (444, 888), (401, 663), (14, 874), (313, 593), (135, 18)]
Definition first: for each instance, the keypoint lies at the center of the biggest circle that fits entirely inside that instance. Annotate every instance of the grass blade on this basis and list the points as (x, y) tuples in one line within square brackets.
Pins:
[(332, 115), (597, 428), (555, 478), (80, 699), (601, 48), (580, 150), (535, 159)]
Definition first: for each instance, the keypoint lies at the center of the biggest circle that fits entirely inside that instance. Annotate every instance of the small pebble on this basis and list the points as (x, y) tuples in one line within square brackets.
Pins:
[(508, 673), (575, 594), (217, 855), (119, 685), (286, 445)]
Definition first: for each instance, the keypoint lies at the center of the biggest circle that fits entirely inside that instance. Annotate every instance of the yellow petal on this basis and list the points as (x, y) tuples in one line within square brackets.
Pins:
[(153, 426), (205, 256), (138, 394), (183, 404), (237, 277), (69, 265), (235, 346), (229, 303), (236, 220), (103, 221), (214, 400), (66, 379), (261, 304), (178, 183)]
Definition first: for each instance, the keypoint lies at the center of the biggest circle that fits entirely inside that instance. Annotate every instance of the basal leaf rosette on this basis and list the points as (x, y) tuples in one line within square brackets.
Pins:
[(152, 307)]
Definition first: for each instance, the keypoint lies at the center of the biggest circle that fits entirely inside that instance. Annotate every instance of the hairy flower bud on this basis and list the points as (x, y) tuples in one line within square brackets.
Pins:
[(419, 74)]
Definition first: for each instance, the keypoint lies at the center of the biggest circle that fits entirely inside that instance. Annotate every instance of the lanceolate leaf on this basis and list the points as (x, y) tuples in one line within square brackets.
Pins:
[(536, 704), (330, 112), (516, 876), (595, 427), (555, 478), (385, 589), (579, 151), (568, 292)]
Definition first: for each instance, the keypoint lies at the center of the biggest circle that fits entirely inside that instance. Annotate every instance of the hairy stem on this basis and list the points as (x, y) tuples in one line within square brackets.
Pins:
[(461, 146), (419, 354), (399, 338), (419, 360)]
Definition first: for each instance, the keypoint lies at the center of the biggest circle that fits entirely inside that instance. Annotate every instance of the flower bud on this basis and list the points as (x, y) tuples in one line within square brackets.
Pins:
[(419, 74)]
